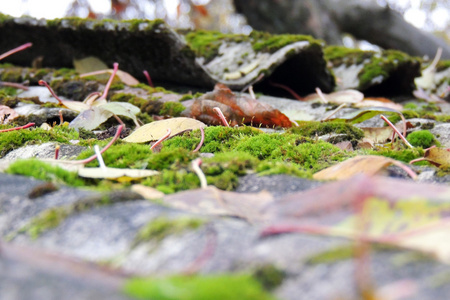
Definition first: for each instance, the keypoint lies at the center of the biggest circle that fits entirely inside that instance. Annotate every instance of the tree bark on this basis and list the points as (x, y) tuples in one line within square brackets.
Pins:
[(327, 19)]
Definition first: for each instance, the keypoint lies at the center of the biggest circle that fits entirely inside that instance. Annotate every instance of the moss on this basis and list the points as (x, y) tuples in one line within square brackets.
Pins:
[(422, 138), (161, 227), (405, 155), (197, 287), (269, 276), (313, 129), (171, 181), (8, 91), (46, 220), (331, 256), (7, 100), (339, 55), (381, 66), (278, 167), (173, 109), (43, 171), (206, 43), (15, 139)]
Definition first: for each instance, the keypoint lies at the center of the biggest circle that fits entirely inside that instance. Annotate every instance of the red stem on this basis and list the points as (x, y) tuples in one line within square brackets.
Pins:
[(221, 116), (397, 131), (18, 128), (149, 79), (111, 78), (42, 82), (201, 140), (20, 48), (93, 157), (288, 89), (14, 85), (57, 151), (161, 139)]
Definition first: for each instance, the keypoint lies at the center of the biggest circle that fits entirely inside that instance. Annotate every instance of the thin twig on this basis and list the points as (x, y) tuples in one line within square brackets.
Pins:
[(202, 139), (334, 111), (288, 89)]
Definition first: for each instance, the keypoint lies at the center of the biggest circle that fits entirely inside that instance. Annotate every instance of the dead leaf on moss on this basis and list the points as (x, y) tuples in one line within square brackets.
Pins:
[(378, 135), (212, 201), (361, 164), (147, 192), (155, 130), (237, 109), (122, 175), (436, 156)]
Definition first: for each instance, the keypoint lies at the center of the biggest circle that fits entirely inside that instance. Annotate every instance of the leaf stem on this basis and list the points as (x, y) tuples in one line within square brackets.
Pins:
[(93, 157), (149, 79), (161, 139), (196, 167), (288, 89), (201, 140), (14, 85), (397, 131), (42, 82), (111, 78)]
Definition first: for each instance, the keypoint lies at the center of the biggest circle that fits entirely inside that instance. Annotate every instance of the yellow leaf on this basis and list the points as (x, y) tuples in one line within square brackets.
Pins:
[(116, 173), (155, 130)]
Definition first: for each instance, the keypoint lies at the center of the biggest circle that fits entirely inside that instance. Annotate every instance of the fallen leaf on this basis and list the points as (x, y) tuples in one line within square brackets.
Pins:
[(212, 201), (339, 97), (89, 64), (378, 135), (374, 209), (365, 114), (379, 102), (361, 164), (436, 156), (115, 173), (237, 110), (7, 114), (155, 130)]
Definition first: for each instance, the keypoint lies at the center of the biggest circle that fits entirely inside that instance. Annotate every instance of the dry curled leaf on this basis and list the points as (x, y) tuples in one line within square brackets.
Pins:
[(237, 109), (156, 130), (436, 156), (361, 164), (340, 97)]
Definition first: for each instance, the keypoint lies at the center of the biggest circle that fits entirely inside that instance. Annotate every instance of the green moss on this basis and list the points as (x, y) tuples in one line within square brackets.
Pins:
[(161, 227), (269, 276), (8, 91), (173, 109), (171, 181), (333, 255), (15, 139), (422, 138), (196, 287), (206, 43), (266, 42), (313, 129), (278, 167), (339, 55), (405, 155), (43, 171), (46, 220)]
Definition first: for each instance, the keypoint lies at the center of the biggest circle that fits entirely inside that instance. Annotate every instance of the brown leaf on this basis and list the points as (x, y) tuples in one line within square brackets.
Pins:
[(436, 156), (379, 102), (213, 201), (7, 114), (378, 135), (361, 164), (237, 109), (345, 96)]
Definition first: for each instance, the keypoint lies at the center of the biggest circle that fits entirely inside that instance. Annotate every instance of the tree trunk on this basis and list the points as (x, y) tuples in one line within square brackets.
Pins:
[(327, 19)]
